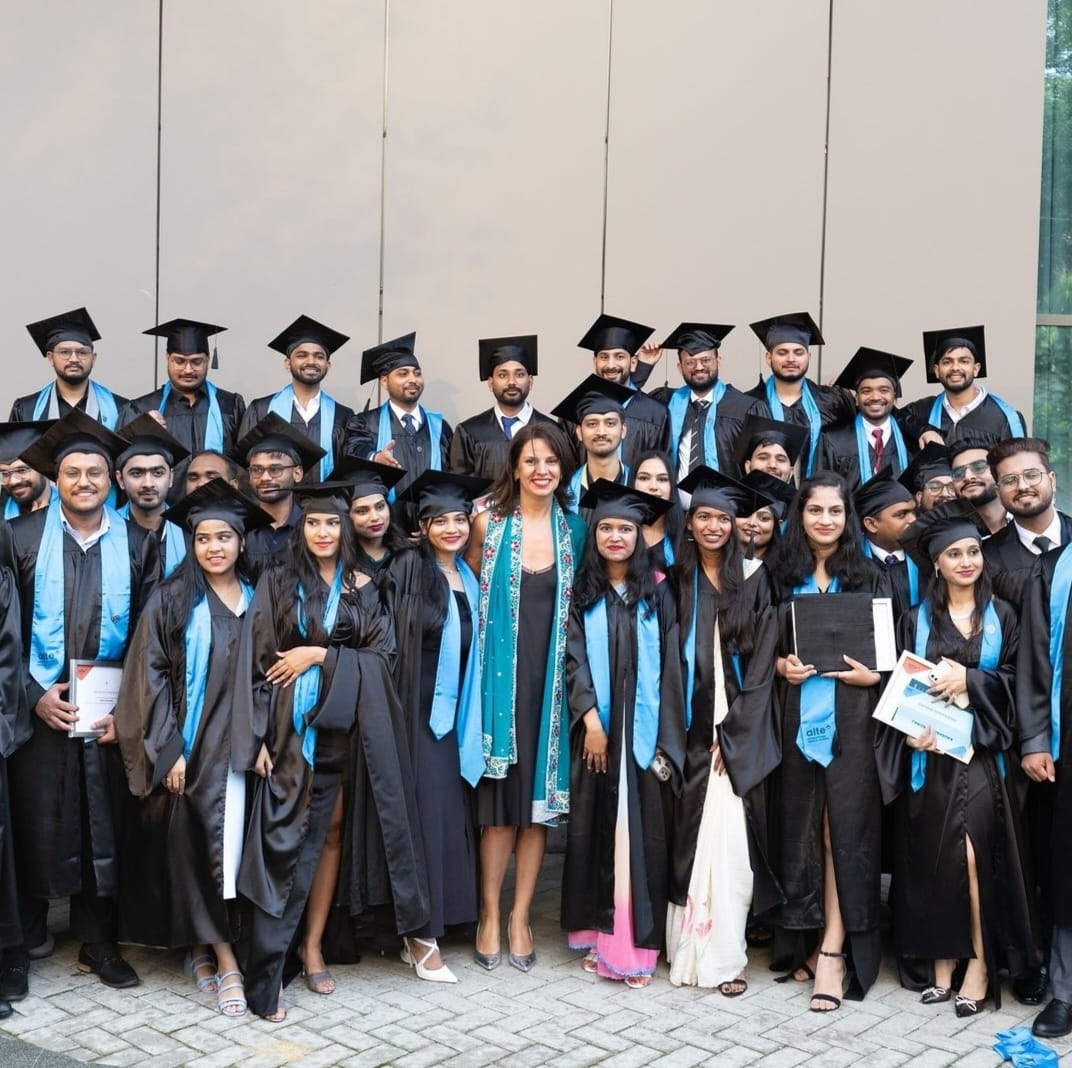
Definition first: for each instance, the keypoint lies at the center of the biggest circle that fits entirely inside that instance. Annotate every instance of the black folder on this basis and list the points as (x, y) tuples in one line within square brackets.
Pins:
[(827, 626)]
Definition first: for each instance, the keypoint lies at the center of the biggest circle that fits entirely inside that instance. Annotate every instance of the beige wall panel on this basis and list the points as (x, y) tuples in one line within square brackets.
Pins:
[(78, 182), (935, 149), (716, 165), (494, 185), (271, 176)]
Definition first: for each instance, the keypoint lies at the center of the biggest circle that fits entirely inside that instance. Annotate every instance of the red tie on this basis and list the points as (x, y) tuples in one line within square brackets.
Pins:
[(877, 435)]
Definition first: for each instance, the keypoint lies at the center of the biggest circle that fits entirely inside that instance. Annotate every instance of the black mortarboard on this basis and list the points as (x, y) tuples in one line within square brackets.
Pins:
[(611, 500), (879, 492), (388, 357), (610, 332), (934, 531), (773, 493), (218, 499), (872, 363), (712, 489), (972, 439), (496, 350), (796, 327), (758, 431), (274, 434), (932, 460), (594, 395), (438, 492), (145, 436), (186, 337), (75, 432), (331, 498), (936, 343), (305, 329), (75, 325), (697, 337), (366, 477), (16, 438)]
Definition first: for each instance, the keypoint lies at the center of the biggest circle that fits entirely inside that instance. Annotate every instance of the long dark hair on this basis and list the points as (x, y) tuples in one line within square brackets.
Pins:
[(796, 561), (672, 524), (941, 625), (504, 493), (591, 582), (394, 541)]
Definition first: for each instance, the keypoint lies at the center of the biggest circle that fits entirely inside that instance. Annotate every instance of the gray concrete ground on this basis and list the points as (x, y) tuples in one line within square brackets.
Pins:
[(382, 1014)]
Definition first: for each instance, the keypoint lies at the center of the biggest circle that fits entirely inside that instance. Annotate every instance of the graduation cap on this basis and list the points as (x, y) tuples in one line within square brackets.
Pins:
[(969, 439), (694, 338), (930, 462), (594, 396), (611, 500), (388, 357), (186, 337), (438, 492), (797, 328), (75, 432), (872, 363), (610, 332), (880, 492), (218, 499), (16, 438), (366, 477), (934, 531), (274, 434), (779, 495), (145, 436), (758, 431), (712, 489), (75, 325), (305, 329), (936, 343), (329, 498), (497, 350)]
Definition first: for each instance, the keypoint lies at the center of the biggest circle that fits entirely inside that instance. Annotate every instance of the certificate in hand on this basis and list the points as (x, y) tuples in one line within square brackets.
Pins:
[(906, 705), (95, 689)]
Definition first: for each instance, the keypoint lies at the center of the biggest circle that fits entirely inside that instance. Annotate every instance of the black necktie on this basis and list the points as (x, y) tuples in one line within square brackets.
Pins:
[(410, 425), (1042, 543), (892, 561), (696, 446)]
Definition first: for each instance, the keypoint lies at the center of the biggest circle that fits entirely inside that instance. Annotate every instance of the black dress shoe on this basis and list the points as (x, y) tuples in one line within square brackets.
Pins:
[(103, 959), (14, 977), (1054, 1021), (5, 1009), (1030, 989)]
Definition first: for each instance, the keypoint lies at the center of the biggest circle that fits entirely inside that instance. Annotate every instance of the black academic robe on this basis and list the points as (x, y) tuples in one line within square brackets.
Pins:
[(749, 738), (988, 418), (176, 896), (588, 874), (848, 789), (480, 448), (53, 776), (266, 546), (957, 802), (838, 452), (22, 411), (1004, 551), (258, 409)]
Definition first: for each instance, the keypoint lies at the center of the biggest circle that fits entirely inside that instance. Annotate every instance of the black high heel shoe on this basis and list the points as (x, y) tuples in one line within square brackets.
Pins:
[(964, 1006)]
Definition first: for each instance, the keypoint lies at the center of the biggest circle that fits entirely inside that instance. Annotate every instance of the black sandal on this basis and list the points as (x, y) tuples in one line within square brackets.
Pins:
[(809, 975), (726, 988), (827, 999)]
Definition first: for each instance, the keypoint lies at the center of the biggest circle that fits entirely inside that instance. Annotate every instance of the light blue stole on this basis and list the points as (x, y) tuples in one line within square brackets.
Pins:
[(1060, 589), (811, 410), (690, 654), (307, 684), (648, 674), (174, 543), (11, 506), (100, 405), (863, 448), (679, 407), (1016, 428), (910, 566), (47, 641), (989, 658), (282, 404), (578, 484), (198, 647), (214, 427), (449, 707), (818, 700), (435, 431)]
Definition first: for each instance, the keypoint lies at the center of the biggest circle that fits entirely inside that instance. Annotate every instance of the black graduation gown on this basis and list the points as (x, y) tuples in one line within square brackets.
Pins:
[(988, 418), (266, 546), (929, 893), (479, 447), (176, 898), (53, 776), (849, 790), (588, 874), (1004, 551), (258, 409), (749, 738), (22, 411), (837, 452)]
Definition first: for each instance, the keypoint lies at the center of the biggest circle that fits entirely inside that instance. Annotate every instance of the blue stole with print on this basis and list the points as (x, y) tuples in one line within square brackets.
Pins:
[(282, 404), (214, 427), (818, 699), (811, 410), (679, 407)]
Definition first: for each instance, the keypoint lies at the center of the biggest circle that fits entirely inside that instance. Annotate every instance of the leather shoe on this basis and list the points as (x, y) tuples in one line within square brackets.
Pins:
[(14, 977), (1054, 1021), (1030, 989), (5, 1009), (103, 959)]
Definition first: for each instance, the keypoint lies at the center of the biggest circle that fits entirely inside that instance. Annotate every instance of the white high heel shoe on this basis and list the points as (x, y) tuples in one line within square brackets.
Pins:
[(433, 975)]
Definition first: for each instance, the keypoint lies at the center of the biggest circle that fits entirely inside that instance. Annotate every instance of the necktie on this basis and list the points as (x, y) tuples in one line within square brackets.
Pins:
[(696, 449), (876, 436), (508, 424), (410, 425), (1042, 543), (891, 561)]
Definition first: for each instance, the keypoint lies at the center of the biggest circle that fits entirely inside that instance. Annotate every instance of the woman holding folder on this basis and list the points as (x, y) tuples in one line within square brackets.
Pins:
[(830, 807), (958, 892)]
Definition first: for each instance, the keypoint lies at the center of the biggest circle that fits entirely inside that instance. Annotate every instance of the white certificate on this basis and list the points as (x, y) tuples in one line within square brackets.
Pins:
[(95, 689)]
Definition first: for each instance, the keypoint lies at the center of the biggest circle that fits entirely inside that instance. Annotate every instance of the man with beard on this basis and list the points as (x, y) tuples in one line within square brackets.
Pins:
[(25, 490), (974, 482), (929, 477), (956, 358), (66, 341), (144, 471), (481, 443), (205, 466), (307, 347), (276, 457), (769, 446), (886, 510)]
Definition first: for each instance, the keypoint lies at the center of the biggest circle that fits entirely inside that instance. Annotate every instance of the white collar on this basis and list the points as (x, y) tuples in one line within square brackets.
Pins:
[(308, 411), (522, 416), (1027, 537), (880, 554), (86, 543), (956, 414), (400, 413)]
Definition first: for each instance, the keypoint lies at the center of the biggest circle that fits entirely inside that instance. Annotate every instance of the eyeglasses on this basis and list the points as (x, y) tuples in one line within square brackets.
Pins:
[(698, 361), (976, 467), (935, 487), (194, 363), (1032, 477), (70, 354), (272, 470), (15, 472)]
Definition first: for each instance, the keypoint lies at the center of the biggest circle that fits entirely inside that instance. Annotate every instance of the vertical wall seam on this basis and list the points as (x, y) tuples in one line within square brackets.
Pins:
[(606, 161), (159, 148), (826, 176)]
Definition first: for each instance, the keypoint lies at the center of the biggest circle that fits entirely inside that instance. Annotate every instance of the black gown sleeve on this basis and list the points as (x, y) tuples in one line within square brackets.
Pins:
[(671, 739), (15, 725), (252, 707), (1034, 674), (580, 689)]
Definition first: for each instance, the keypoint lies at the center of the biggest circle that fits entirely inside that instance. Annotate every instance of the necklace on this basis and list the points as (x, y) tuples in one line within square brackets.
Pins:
[(962, 615), (448, 570)]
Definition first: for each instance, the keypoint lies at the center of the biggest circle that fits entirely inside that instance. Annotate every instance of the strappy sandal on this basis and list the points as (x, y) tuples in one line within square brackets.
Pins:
[(233, 1005), (590, 963), (791, 977), (638, 982), (729, 989), (827, 999), (207, 984)]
